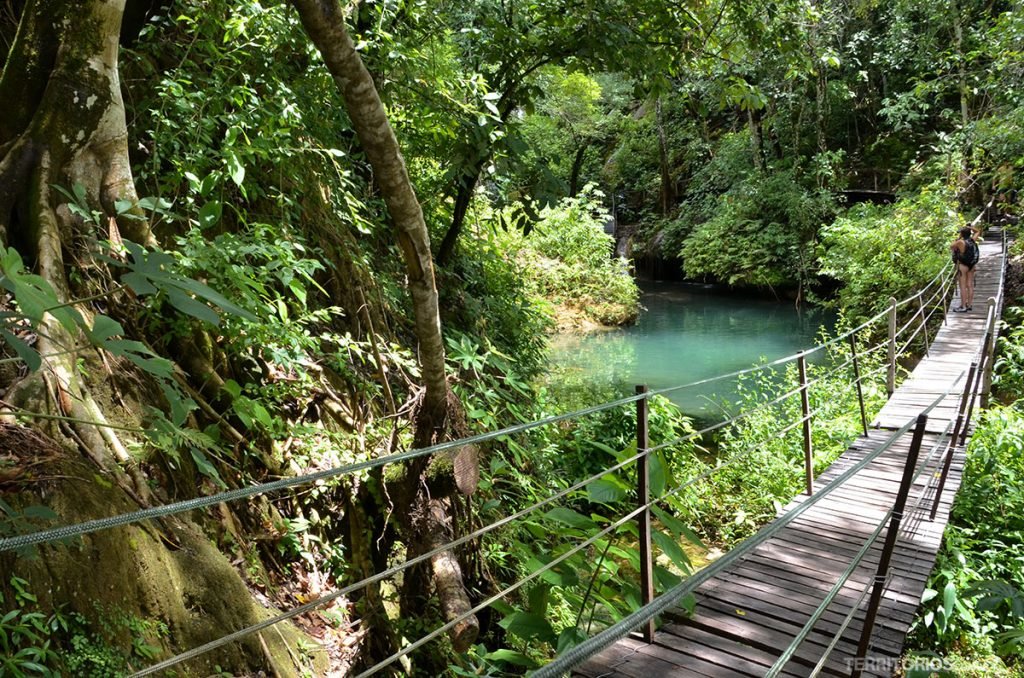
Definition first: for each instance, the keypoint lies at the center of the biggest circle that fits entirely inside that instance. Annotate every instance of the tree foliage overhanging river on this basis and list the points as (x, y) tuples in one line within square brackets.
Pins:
[(689, 332)]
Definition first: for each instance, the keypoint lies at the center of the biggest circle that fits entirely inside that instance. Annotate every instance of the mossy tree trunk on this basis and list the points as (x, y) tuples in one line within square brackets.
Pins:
[(424, 515), (63, 125)]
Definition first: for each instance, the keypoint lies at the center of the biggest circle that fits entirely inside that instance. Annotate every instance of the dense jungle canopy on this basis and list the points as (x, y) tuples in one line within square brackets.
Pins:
[(245, 241)]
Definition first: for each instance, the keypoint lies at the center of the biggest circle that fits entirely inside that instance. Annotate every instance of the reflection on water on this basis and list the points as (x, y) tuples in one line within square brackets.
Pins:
[(688, 333)]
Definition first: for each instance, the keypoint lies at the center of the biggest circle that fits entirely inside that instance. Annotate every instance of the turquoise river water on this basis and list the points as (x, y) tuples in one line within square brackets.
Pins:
[(687, 333)]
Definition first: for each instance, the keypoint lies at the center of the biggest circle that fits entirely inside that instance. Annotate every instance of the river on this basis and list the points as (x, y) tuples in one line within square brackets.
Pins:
[(688, 332)]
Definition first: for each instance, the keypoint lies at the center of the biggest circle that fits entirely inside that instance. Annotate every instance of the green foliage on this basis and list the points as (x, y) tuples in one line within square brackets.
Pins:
[(879, 252), (33, 643), (597, 585), (494, 303), (763, 469), (569, 260), (1008, 369), (975, 595), (761, 234)]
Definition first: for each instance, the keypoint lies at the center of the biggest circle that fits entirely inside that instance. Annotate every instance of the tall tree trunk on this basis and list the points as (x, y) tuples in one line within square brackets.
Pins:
[(325, 24), (821, 101), (577, 168), (756, 138), (63, 124), (465, 188), (668, 190)]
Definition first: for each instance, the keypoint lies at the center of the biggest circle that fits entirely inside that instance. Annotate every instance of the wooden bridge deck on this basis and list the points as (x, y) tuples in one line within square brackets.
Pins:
[(748, 615)]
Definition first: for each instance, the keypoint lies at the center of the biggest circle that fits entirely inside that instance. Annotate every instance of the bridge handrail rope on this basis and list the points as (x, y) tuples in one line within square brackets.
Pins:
[(580, 653), (914, 317), (855, 606), (309, 606), (634, 513), (68, 531), (788, 653), (948, 445), (86, 527)]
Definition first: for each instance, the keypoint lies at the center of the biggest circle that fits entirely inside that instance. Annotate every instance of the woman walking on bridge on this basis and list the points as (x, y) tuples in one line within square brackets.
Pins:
[(965, 256)]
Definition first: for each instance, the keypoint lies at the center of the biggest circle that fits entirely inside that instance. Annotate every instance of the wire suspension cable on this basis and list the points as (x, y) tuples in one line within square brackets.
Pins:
[(66, 532), (592, 645)]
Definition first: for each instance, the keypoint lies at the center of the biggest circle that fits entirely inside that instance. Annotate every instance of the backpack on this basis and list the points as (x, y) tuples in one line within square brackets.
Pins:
[(971, 254)]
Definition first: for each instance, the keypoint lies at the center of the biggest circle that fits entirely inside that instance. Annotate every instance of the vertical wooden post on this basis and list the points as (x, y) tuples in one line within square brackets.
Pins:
[(953, 440), (924, 324), (644, 518), (890, 378), (982, 367), (805, 408), (856, 378), (890, 545), (986, 384)]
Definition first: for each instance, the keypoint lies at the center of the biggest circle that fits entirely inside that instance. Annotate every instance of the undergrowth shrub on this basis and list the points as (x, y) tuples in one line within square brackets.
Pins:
[(883, 251), (568, 256), (769, 465), (974, 603), (761, 233)]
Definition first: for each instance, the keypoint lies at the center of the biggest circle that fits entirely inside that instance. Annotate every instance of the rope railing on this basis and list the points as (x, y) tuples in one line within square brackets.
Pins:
[(325, 599), (580, 653), (847, 574), (482, 531), (62, 533)]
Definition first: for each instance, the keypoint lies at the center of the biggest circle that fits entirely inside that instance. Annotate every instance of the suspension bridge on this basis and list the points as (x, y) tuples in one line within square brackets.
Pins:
[(830, 587)]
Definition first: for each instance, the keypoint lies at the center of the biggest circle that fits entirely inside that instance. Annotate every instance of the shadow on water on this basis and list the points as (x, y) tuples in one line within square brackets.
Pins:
[(687, 333)]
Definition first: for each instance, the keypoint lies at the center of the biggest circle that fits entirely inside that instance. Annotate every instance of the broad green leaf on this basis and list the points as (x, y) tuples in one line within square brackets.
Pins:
[(210, 213), (528, 626), (677, 527), (138, 283), (569, 638), (671, 548), (567, 516), (205, 467), (664, 578), (190, 306), (538, 599), (607, 489), (562, 574), (235, 168), (104, 328), (948, 599), (232, 387), (657, 474), (209, 294), (511, 657)]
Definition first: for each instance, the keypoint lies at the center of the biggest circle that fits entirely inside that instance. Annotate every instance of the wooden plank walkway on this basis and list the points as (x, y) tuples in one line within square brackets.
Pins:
[(747, 615), (952, 350)]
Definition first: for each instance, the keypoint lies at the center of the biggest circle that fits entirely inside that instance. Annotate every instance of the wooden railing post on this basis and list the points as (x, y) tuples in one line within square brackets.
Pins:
[(924, 324), (889, 546), (953, 439), (644, 517), (805, 408), (986, 384), (982, 367), (856, 379), (890, 378)]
